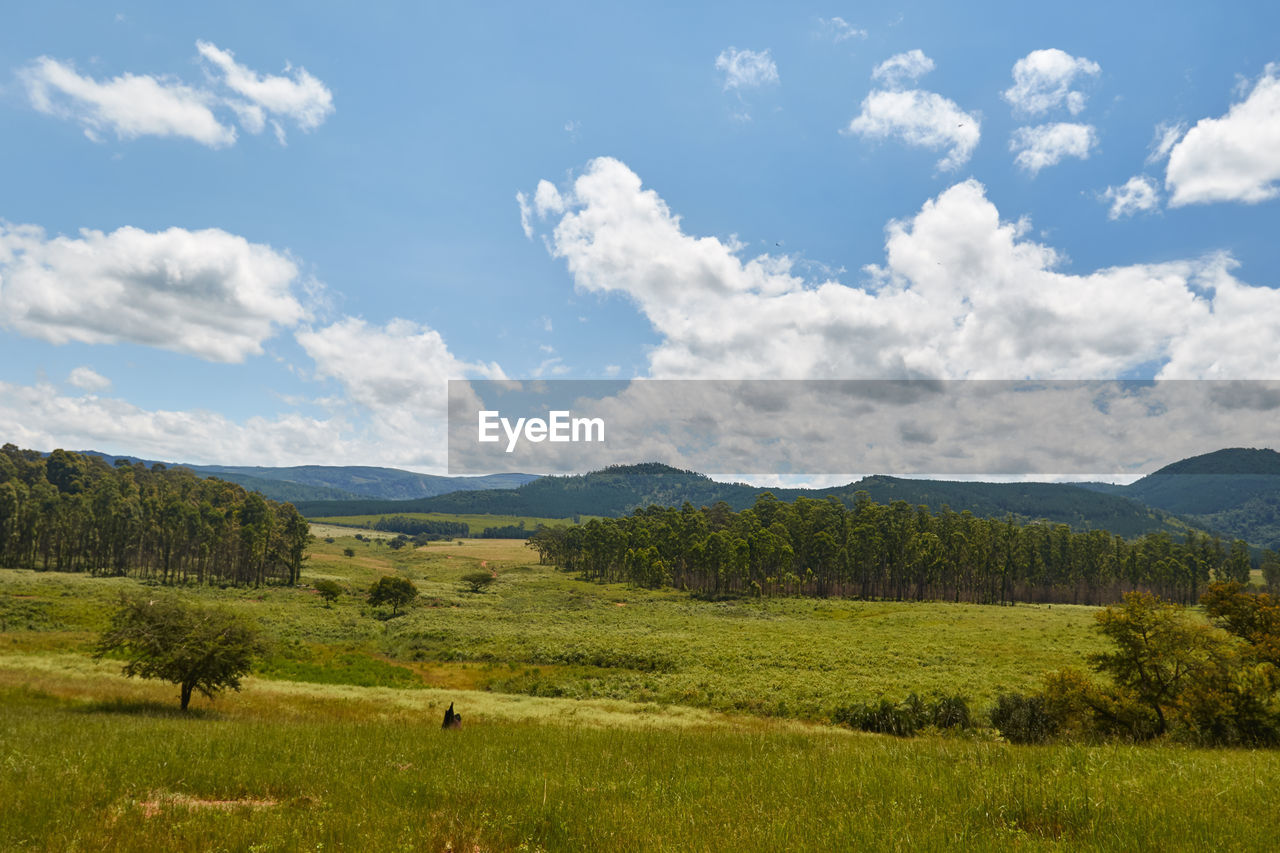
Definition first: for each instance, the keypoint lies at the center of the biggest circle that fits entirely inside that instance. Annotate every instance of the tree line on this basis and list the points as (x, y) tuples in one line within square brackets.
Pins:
[(75, 513), (894, 551)]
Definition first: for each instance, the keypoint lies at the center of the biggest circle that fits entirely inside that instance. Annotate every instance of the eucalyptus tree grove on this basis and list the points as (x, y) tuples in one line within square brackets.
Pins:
[(71, 512), (896, 551)]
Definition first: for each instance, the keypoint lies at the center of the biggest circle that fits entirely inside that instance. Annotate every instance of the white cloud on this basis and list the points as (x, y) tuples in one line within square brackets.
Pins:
[(923, 119), (902, 68), (37, 416), (1232, 158), (88, 379), (1042, 81), (526, 213), (1166, 136), (961, 294), (403, 367), (300, 97), (134, 105), (746, 69), (1046, 144), (128, 106), (1138, 194), (207, 293), (838, 29)]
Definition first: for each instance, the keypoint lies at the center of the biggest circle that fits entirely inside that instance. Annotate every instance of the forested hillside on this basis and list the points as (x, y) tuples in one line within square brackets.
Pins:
[(72, 512), (619, 490), (1235, 491)]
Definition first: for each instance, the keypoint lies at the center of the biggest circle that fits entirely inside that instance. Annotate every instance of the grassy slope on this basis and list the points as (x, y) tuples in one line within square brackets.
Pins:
[(543, 632), (94, 761)]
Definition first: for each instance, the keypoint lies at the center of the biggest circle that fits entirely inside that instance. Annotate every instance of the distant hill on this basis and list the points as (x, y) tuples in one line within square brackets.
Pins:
[(1235, 492), (303, 483), (618, 490)]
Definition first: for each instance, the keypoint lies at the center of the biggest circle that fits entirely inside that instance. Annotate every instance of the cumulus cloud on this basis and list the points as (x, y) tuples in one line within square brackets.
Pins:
[(396, 376), (206, 293), (1235, 157), (1046, 144), (961, 294), (88, 379), (1042, 80), (922, 119), (299, 97), (903, 68), (402, 366), (838, 29), (38, 416), (1136, 195), (128, 106), (746, 69)]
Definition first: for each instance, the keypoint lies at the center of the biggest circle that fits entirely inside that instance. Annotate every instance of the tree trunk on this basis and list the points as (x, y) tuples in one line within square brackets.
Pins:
[(186, 695)]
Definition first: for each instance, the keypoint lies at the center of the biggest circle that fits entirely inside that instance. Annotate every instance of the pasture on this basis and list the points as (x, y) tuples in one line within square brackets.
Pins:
[(596, 717)]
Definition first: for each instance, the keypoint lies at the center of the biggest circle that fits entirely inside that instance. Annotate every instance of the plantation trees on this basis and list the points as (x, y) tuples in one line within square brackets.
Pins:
[(196, 647)]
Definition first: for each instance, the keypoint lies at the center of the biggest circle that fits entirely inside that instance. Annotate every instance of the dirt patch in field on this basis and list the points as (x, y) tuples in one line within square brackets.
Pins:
[(153, 806)]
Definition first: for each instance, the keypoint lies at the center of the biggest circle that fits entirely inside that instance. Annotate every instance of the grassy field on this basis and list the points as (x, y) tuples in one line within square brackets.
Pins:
[(596, 718), (541, 632)]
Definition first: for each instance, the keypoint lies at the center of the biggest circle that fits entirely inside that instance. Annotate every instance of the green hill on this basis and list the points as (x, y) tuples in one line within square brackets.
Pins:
[(620, 489), (1235, 492)]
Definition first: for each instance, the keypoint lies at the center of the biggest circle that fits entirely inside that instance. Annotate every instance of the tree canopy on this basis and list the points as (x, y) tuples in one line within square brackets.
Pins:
[(199, 648), (73, 512)]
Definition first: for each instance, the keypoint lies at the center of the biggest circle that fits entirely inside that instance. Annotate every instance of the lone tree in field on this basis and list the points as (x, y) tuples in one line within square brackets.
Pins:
[(395, 591), (196, 647), (479, 581), (329, 590)]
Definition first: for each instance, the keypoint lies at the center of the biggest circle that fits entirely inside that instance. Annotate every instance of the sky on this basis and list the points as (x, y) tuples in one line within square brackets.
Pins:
[(270, 233)]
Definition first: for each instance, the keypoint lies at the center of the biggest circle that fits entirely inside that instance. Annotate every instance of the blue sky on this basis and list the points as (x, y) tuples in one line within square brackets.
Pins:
[(265, 296)]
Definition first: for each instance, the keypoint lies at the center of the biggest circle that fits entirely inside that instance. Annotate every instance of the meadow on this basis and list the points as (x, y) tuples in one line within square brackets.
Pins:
[(597, 717)]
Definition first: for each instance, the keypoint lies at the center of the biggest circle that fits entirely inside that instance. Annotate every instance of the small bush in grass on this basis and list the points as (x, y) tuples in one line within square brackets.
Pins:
[(951, 712), (1023, 719)]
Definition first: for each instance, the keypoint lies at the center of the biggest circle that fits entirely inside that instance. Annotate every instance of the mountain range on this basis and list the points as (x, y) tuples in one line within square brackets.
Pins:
[(1233, 492), (302, 483)]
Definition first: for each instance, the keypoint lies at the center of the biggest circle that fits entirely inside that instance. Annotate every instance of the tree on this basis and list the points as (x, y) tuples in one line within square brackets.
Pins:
[(196, 647), (395, 591), (348, 552), (478, 581), (329, 589)]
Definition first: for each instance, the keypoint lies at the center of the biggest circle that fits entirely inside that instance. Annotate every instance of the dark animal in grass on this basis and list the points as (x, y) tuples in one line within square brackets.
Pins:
[(452, 720)]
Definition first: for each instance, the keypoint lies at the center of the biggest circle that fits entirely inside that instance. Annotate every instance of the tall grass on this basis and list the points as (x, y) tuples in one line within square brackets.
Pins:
[(134, 775)]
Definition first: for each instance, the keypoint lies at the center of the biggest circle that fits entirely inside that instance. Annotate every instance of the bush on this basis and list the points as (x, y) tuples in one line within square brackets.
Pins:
[(906, 718), (479, 581), (1023, 719)]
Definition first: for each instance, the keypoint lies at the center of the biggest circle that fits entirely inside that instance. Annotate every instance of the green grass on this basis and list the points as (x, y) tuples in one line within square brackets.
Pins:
[(541, 632), (597, 717), (128, 774)]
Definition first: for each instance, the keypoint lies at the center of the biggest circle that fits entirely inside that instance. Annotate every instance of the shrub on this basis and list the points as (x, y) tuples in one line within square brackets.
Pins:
[(1023, 719)]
